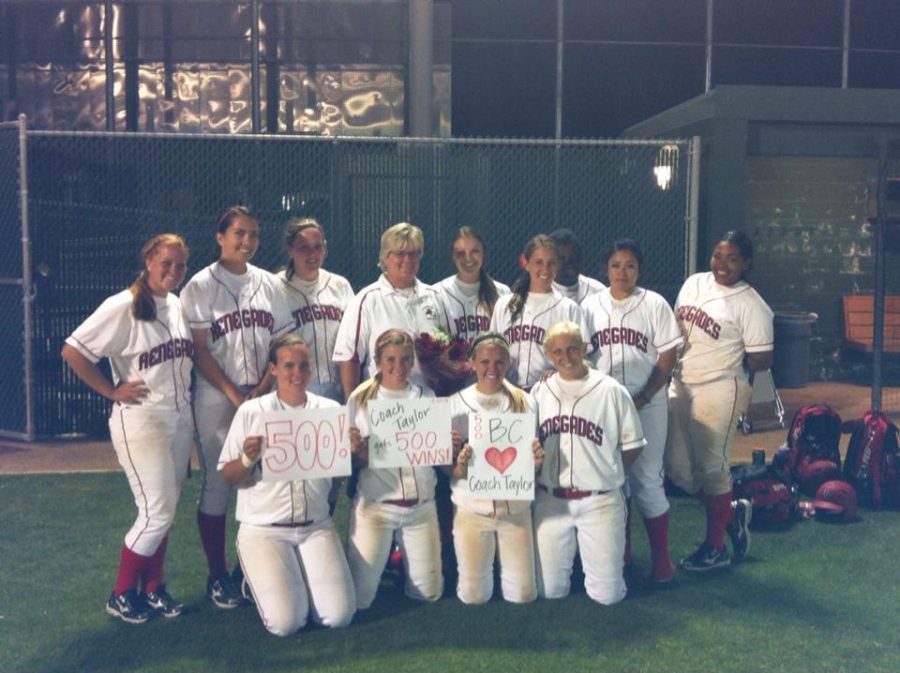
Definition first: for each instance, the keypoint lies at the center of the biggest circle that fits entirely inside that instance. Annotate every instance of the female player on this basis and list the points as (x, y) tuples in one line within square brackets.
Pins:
[(288, 546), (635, 340), (233, 309), (727, 330), (316, 298), (485, 529), (591, 432), (144, 334), (397, 500), (398, 299), (469, 295), (524, 315)]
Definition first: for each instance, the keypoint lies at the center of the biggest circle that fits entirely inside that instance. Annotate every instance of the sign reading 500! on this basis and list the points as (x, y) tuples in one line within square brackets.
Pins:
[(305, 444), (409, 433)]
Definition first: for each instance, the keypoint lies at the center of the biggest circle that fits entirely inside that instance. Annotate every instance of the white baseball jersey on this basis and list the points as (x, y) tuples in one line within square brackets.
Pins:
[(627, 336), (380, 307), (158, 352), (401, 483), (241, 314), (469, 400), (466, 316), (584, 288), (263, 503), (526, 335), (317, 308), (719, 325), (584, 427)]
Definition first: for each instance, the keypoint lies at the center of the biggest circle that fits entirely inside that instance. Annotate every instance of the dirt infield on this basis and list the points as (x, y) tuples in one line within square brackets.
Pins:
[(849, 400)]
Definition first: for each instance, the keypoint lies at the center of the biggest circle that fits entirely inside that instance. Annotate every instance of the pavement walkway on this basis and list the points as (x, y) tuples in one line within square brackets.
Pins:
[(849, 400)]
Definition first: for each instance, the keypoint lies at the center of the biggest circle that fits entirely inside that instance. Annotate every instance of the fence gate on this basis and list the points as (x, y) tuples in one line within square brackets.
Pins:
[(15, 359)]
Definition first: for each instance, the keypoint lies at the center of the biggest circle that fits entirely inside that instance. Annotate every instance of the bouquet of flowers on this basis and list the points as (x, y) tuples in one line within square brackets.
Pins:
[(444, 360)]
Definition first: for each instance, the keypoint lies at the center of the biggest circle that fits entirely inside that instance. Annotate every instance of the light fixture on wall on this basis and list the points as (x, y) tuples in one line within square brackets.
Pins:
[(665, 170)]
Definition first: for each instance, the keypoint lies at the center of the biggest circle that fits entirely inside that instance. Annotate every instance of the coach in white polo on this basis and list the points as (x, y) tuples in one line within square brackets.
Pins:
[(397, 300)]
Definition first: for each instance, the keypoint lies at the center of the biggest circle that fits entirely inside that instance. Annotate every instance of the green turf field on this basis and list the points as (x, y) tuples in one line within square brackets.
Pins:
[(818, 598)]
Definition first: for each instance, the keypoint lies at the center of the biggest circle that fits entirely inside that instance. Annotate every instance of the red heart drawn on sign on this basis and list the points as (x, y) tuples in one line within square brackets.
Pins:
[(500, 460)]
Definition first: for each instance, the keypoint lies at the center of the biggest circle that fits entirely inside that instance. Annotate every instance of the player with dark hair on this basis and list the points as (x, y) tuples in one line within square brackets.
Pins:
[(728, 331), (144, 334), (524, 315), (570, 282), (316, 298), (288, 546), (485, 529), (635, 340), (234, 309), (470, 294), (591, 432), (391, 501)]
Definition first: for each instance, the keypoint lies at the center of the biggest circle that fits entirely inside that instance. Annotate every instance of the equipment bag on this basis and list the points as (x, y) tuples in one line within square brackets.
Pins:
[(872, 462), (815, 434)]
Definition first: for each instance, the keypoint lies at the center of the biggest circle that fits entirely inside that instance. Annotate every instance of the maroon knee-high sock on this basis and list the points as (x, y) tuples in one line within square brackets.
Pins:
[(628, 556), (153, 570), (658, 534), (131, 565), (718, 514), (212, 536)]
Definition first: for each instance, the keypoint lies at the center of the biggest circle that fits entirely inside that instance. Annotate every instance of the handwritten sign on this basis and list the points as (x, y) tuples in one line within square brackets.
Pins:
[(409, 433), (304, 443), (502, 464)]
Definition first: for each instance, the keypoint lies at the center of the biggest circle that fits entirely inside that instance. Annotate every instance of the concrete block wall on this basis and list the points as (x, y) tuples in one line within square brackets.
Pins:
[(807, 217)]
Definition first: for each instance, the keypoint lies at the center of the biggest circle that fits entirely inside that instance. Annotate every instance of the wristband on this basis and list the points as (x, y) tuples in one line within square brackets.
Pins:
[(246, 460)]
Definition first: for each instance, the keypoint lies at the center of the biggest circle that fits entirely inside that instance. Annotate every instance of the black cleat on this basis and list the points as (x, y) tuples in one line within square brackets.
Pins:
[(706, 558), (129, 606), (739, 528), (162, 603)]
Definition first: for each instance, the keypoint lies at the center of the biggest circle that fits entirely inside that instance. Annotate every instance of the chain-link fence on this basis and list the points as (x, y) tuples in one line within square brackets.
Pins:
[(96, 198)]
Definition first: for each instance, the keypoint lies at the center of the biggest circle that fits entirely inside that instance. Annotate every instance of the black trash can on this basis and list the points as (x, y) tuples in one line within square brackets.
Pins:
[(793, 330)]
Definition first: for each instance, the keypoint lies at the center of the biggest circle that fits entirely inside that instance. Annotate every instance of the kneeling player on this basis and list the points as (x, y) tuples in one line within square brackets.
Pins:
[(287, 543), (591, 432)]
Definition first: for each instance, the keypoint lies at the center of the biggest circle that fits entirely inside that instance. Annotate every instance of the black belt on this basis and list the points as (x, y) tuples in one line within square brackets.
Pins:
[(401, 503), (299, 524), (571, 493)]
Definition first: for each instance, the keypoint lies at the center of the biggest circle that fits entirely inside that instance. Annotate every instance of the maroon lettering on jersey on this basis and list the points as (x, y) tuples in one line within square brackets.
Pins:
[(620, 335), (170, 350), (471, 323), (700, 319), (321, 312), (516, 333), (571, 424), (248, 317)]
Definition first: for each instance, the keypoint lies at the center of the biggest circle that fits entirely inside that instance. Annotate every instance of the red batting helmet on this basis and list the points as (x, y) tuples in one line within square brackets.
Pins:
[(836, 501)]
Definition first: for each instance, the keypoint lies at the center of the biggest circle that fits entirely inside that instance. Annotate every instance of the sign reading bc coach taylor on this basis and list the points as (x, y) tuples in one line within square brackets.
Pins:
[(409, 433), (502, 465), (304, 443)]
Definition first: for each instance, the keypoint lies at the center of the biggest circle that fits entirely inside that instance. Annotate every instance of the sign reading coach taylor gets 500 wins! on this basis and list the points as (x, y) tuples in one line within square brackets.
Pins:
[(409, 433)]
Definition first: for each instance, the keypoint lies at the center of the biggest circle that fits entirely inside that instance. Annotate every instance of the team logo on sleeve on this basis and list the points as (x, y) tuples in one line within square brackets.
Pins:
[(700, 319)]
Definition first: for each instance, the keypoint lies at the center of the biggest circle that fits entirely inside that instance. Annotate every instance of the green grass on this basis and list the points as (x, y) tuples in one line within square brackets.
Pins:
[(819, 598)]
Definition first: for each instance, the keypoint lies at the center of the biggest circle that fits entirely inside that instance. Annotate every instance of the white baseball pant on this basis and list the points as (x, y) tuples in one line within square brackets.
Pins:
[(593, 526), (295, 572), (372, 526), (154, 449), (645, 475), (477, 538), (702, 424), (212, 414)]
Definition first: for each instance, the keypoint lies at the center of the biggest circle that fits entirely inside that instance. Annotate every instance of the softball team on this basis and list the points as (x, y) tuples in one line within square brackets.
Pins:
[(603, 432)]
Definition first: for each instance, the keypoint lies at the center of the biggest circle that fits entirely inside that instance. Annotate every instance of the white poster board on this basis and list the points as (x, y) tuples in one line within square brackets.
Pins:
[(502, 464), (409, 433), (304, 443)]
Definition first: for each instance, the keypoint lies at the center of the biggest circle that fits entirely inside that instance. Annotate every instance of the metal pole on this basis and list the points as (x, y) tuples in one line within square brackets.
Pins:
[(255, 123), (27, 289), (559, 67), (421, 68), (693, 214), (845, 51), (110, 70), (878, 328), (709, 40)]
